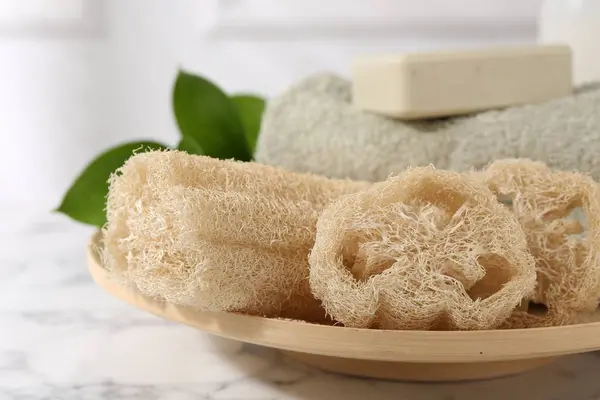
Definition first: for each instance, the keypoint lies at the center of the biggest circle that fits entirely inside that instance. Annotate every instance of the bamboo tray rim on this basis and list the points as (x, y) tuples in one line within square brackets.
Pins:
[(367, 344)]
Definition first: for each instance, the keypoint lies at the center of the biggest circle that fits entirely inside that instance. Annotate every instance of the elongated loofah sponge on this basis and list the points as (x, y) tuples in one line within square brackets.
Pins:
[(567, 253), (217, 235), (313, 127), (427, 249)]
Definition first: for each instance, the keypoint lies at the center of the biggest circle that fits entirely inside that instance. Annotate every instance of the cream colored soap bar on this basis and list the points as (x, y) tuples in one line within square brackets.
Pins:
[(446, 83)]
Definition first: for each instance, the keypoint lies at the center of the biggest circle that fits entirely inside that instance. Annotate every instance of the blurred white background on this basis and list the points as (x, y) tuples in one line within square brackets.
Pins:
[(77, 76)]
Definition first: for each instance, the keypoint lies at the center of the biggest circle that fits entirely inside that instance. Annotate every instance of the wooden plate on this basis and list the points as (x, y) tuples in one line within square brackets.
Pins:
[(398, 355)]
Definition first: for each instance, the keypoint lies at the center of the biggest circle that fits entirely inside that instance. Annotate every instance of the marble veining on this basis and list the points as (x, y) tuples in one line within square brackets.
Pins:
[(61, 337)]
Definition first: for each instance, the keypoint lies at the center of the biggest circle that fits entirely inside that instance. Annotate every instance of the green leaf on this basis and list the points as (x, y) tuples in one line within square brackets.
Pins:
[(86, 198), (207, 115), (190, 146), (250, 109)]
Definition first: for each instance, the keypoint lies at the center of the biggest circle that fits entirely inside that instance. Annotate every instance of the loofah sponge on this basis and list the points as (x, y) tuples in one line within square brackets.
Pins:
[(313, 127), (426, 249), (217, 235), (567, 253)]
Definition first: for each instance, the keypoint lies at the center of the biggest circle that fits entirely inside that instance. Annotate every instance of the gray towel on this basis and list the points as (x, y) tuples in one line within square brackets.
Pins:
[(313, 127)]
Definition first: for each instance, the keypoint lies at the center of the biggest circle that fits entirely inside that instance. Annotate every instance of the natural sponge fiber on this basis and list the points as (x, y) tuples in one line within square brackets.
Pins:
[(217, 235), (567, 253), (426, 249)]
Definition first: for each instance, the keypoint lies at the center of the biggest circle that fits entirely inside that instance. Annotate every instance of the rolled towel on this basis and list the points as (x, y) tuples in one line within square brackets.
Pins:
[(313, 127)]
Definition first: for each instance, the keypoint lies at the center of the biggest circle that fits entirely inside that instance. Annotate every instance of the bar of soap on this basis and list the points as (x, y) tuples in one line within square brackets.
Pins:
[(446, 83)]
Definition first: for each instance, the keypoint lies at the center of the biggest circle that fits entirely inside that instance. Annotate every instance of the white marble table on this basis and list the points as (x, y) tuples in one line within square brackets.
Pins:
[(61, 337)]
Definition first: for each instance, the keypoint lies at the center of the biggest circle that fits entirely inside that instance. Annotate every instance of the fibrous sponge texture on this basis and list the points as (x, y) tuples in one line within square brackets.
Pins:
[(426, 249), (559, 212), (217, 235)]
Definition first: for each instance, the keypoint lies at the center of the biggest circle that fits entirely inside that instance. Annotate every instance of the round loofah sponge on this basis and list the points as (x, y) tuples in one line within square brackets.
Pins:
[(426, 249), (217, 235), (567, 253)]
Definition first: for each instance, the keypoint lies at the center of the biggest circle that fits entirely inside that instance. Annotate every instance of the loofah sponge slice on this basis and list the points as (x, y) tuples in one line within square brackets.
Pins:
[(217, 235), (567, 255), (426, 249)]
